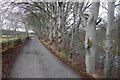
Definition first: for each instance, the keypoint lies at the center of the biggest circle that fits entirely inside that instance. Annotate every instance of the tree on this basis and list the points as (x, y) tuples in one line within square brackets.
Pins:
[(108, 64), (118, 40), (90, 39)]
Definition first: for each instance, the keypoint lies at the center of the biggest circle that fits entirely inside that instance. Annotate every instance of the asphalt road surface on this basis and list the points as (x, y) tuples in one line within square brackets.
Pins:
[(35, 61)]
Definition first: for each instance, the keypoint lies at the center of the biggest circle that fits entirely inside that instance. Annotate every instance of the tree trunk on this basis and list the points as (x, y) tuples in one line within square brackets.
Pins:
[(118, 41), (90, 39), (61, 28), (27, 33), (109, 40), (51, 30), (72, 43)]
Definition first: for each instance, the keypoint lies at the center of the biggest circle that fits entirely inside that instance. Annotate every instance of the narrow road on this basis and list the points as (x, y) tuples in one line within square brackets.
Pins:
[(35, 61)]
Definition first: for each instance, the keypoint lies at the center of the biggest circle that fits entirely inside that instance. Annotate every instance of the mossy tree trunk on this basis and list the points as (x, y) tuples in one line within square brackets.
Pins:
[(90, 39)]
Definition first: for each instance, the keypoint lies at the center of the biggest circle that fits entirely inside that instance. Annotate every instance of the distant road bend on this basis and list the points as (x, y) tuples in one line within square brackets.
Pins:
[(35, 61)]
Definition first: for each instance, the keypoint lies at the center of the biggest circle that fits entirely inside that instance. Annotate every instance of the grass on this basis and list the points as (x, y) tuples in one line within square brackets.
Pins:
[(3, 40), (6, 40), (8, 43)]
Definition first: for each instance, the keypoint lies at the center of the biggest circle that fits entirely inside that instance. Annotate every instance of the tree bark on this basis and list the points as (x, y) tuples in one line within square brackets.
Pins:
[(72, 43), (118, 41), (90, 38), (109, 41), (27, 33)]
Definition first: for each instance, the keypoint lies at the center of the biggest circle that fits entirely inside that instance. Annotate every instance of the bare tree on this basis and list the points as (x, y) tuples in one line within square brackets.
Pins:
[(109, 41), (90, 39)]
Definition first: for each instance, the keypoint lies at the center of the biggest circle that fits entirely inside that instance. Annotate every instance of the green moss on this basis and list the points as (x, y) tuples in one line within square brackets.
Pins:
[(90, 43)]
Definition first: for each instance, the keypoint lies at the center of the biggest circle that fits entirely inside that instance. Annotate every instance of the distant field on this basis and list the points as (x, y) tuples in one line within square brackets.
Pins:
[(5, 39)]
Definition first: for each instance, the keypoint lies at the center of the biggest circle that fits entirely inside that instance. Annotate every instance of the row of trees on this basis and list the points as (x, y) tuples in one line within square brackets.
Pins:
[(11, 21), (62, 22)]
